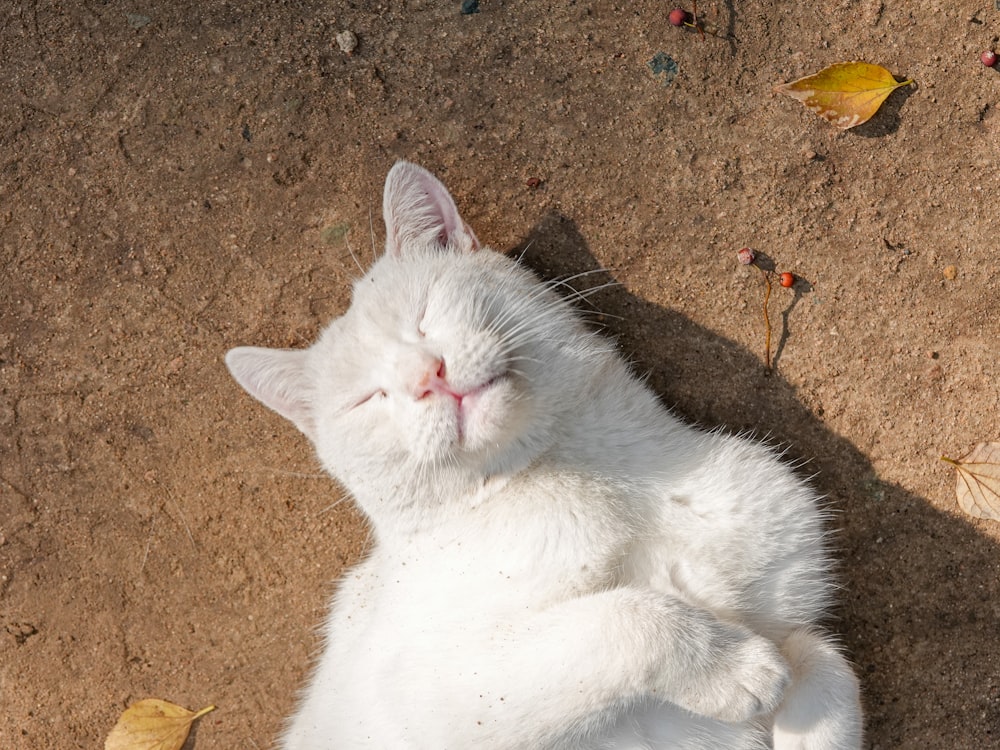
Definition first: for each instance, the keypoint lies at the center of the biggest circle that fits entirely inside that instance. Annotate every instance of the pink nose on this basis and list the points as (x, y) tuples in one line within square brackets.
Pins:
[(431, 379)]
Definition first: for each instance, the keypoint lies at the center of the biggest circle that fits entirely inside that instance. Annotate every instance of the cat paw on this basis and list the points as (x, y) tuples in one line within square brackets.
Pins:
[(750, 680), (760, 677)]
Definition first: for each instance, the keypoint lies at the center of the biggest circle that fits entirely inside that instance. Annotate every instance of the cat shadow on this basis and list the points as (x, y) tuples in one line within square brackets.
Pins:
[(916, 612)]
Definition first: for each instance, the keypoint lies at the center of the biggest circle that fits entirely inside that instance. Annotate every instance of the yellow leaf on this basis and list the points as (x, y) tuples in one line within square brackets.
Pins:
[(978, 487), (153, 724), (845, 94)]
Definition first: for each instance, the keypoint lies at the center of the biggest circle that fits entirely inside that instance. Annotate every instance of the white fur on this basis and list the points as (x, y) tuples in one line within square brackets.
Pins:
[(558, 561)]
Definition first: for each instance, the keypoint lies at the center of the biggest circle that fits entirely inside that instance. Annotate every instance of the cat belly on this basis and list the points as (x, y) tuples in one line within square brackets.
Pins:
[(388, 673), (384, 690), (397, 640)]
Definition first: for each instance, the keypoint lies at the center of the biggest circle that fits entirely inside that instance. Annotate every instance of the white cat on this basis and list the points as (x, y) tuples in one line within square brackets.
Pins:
[(558, 562)]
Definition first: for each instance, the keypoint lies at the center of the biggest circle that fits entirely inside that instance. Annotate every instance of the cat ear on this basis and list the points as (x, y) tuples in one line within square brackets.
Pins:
[(278, 379), (419, 211)]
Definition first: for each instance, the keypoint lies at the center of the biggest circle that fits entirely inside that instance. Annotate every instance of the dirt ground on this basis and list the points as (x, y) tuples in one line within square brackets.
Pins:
[(179, 178)]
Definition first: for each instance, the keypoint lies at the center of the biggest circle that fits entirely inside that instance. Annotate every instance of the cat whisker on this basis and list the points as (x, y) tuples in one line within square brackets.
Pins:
[(497, 292), (564, 280), (526, 336), (511, 367), (585, 294), (287, 473), (347, 241), (590, 291), (522, 358), (596, 313), (528, 323), (366, 544), (331, 506), (486, 318), (520, 256)]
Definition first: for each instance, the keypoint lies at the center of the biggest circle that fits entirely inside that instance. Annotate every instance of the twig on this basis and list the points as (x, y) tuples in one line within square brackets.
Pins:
[(767, 322), (694, 17)]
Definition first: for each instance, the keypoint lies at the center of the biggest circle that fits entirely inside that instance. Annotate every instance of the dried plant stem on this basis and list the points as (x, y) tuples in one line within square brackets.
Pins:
[(698, 26), (694, 18), (202, 712), (767, 321)]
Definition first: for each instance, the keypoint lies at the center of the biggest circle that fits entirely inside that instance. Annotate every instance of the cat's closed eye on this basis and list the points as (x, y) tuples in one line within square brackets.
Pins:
[(368, 398), (421, 322)]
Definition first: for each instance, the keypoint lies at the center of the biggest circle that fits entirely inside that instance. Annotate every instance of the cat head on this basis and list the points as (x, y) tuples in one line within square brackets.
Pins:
[(452, 364)]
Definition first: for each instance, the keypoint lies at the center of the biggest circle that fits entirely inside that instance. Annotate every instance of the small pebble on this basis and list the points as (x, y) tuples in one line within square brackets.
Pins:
[(950, 273), (347, 41), (138, 20)]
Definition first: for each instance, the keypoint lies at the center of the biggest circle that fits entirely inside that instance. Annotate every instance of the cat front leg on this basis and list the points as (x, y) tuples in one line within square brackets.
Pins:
[(647, 643), (555, 672)]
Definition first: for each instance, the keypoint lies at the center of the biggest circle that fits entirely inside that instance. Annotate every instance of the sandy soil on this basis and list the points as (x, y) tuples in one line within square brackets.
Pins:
[(181, 179)]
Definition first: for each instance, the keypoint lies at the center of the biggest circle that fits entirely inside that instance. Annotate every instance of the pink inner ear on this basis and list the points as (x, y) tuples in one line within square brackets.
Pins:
[(277, 378), (418, 210)]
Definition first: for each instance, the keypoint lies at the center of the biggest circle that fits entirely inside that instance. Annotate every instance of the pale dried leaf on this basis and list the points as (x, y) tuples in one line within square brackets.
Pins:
[(845, 94), (152, 724), (978, 484)]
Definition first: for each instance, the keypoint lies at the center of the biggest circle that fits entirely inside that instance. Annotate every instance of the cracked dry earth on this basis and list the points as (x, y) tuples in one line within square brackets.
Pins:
[(179, 178)]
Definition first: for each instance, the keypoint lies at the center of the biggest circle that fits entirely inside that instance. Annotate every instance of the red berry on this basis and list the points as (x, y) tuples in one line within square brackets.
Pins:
[(786, 279), (989, 58), (678, 17), (746, 256)]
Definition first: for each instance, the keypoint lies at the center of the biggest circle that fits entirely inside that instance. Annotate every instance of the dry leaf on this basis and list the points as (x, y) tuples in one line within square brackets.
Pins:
[(978, 487), (153, 724), (845, 94)]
